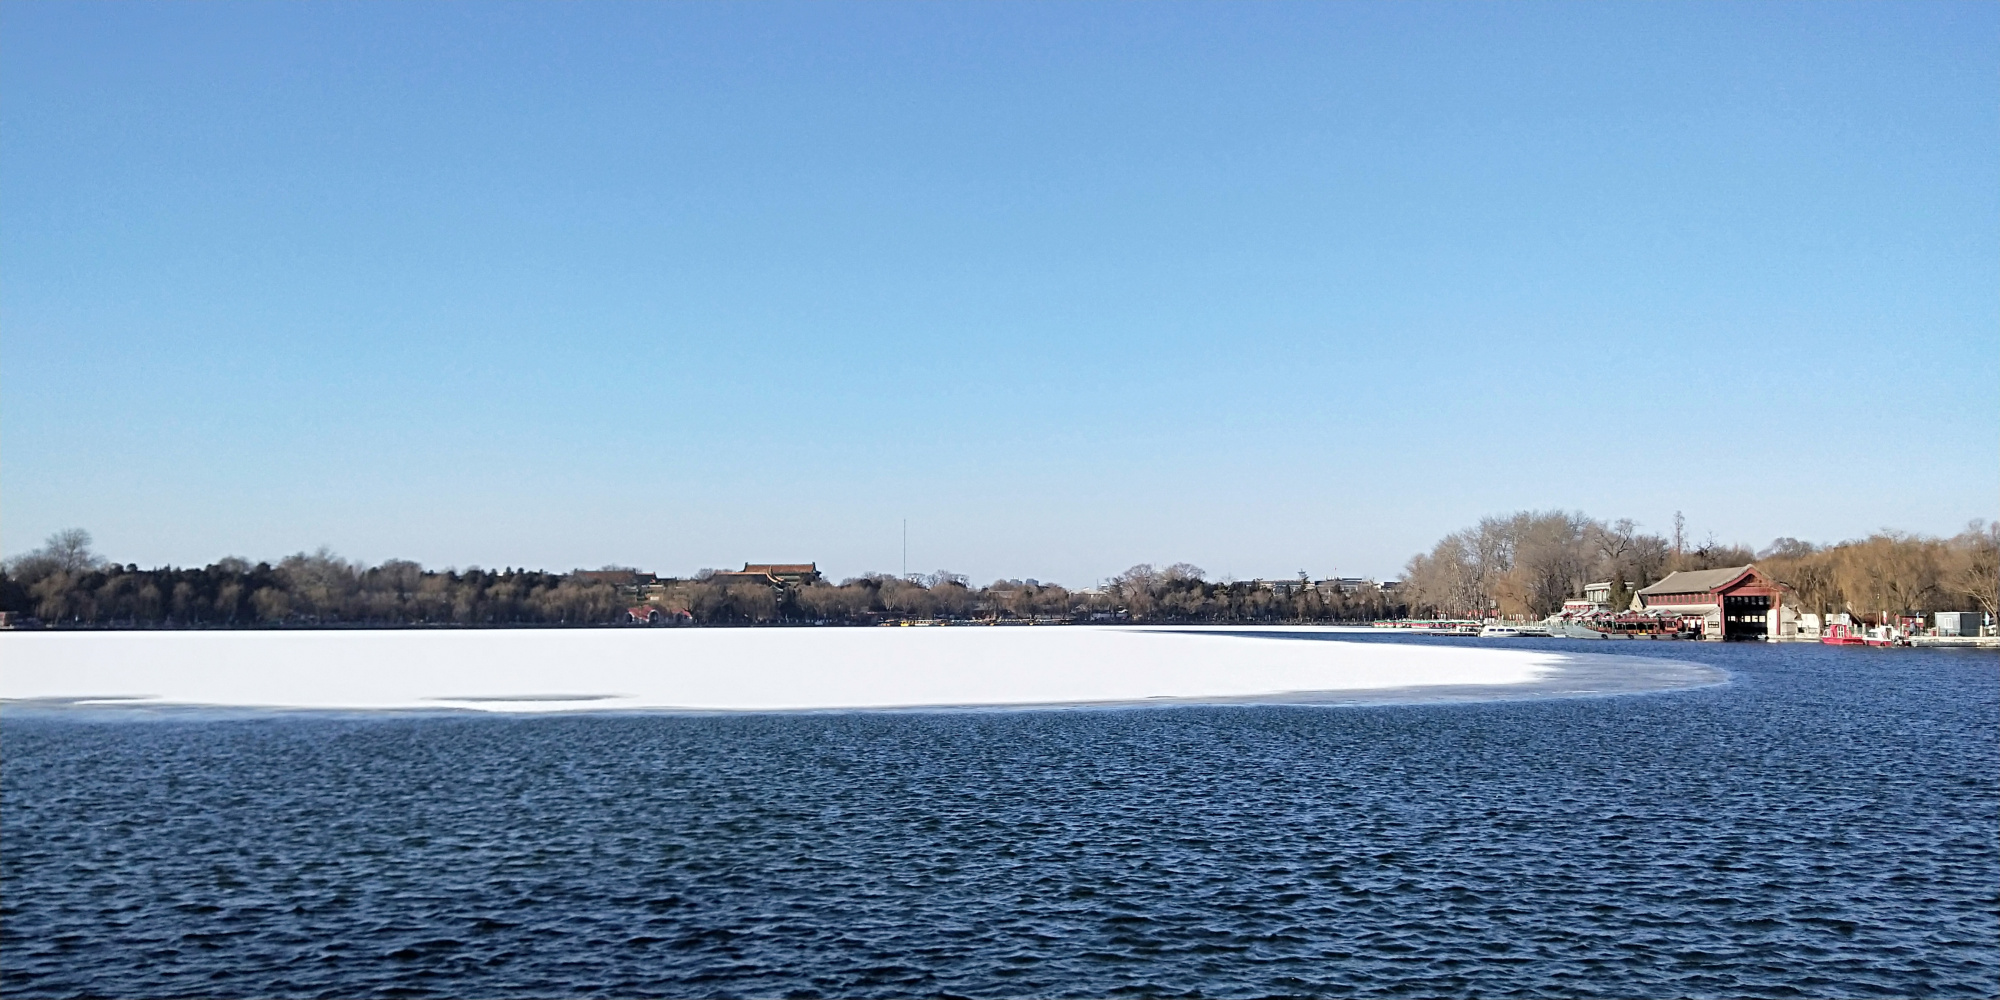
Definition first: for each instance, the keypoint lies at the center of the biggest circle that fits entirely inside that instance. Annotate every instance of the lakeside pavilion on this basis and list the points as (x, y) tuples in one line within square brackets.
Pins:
[(1737, 602)]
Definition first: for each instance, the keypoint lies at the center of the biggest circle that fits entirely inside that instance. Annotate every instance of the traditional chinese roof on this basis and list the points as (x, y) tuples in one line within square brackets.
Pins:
[(1696, 581)]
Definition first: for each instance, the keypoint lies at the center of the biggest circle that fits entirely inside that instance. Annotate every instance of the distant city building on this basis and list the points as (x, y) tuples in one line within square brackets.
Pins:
[(1341, 584), (1738, 602)]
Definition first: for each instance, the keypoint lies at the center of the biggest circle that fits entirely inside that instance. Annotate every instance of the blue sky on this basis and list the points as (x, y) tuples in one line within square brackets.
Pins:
[(1069, 287)]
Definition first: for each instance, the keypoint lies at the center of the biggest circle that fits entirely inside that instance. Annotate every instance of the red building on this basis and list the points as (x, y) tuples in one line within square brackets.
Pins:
[(653, 614), (1738, 602)]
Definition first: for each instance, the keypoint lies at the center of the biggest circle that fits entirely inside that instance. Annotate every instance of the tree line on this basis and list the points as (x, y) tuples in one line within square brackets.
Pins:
[(66, 584), (1525, 563), (1892, 573), (1181, 593), (1529, 562)]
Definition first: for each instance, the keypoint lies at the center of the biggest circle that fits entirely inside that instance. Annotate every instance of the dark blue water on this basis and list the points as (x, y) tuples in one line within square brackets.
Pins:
[(1826, 825)]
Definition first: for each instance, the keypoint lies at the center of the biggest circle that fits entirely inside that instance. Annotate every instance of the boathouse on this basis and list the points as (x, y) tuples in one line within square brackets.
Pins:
[(1737, 602)]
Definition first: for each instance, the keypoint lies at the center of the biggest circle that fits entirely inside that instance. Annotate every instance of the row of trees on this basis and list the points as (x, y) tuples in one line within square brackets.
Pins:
[(1526, 563), (1529, 562), (1180, 593), (64, 583), (1892, 573)]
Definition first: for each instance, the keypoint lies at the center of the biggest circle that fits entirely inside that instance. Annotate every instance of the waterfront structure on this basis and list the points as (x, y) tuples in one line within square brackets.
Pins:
[(1812, 626), (1598, 593), (1736, 602), (653, 614), (1959, 623)]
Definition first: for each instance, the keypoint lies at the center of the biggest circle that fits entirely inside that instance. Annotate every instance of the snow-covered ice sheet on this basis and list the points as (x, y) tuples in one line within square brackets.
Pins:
[(727, 669)]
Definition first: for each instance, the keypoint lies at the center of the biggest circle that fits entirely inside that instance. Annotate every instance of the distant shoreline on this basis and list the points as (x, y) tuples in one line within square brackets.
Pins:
[(1522, 567), (1362, 623)]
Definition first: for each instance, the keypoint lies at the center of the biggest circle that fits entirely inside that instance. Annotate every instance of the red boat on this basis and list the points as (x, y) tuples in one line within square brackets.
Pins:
[(1838, 634)]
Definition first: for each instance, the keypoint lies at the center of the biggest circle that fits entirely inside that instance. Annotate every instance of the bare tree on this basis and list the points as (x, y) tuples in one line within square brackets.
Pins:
[(1888, 573), (320, 583), (1975, 565), (1134, 588), (70, 549), (1615, 542), (906, 598), (67, 551), (754, 602), (822, 600), (1444, 580), (950, 597), (1711, 554)]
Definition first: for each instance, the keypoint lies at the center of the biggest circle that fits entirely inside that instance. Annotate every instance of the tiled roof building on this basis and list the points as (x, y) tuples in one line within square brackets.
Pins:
[(1736, 602)]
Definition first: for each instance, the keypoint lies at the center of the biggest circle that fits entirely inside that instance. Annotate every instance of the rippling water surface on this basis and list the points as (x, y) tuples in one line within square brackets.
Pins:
[(1824, 825)]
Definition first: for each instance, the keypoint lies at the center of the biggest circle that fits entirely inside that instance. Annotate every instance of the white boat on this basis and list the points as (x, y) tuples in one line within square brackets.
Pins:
[(1500, 632)]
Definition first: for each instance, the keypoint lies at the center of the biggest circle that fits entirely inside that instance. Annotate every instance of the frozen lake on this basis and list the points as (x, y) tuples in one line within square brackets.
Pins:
[(1825, 827), (765, 669)]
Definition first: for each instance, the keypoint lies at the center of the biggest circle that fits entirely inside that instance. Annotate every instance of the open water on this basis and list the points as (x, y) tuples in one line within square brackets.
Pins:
[(1823, 825)]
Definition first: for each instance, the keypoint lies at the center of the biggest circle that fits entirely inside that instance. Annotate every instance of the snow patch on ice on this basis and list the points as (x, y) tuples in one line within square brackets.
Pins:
[(542, 670)]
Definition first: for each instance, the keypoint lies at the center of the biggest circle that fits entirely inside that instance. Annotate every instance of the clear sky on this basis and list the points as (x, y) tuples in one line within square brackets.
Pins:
[(1262, 287)]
